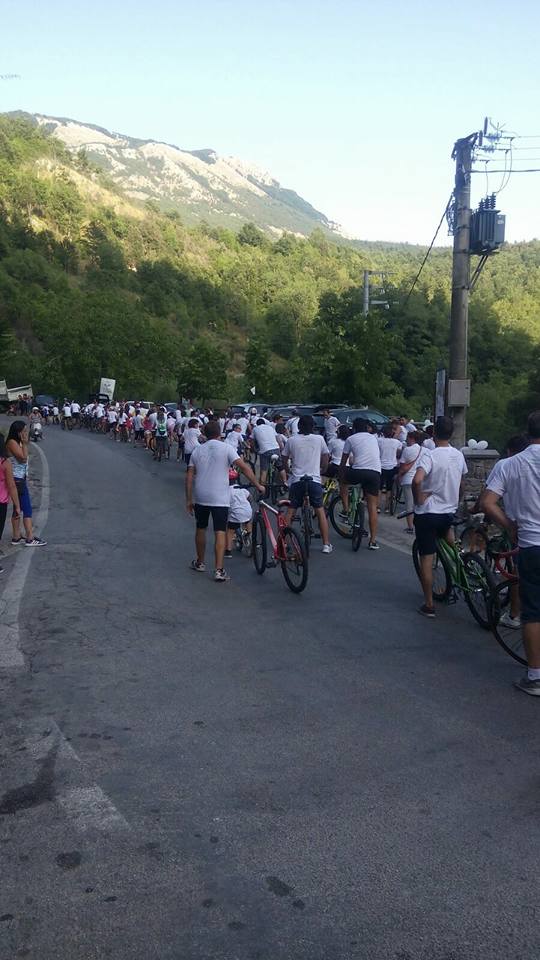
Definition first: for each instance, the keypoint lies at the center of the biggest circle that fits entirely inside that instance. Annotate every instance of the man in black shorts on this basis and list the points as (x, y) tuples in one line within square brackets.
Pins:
[(518, 481), (363, 448), (207, 492), (437, 486), (307, 454)]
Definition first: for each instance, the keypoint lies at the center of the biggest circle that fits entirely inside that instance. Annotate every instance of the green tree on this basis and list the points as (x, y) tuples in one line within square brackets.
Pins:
[(202, 371), (257, 365), (251, 236)]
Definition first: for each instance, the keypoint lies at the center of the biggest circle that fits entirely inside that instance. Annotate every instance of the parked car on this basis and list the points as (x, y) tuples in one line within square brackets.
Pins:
[(44, 400), (366, 413)]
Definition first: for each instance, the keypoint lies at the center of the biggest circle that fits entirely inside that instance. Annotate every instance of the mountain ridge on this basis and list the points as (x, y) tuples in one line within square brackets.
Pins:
[(199, 184)]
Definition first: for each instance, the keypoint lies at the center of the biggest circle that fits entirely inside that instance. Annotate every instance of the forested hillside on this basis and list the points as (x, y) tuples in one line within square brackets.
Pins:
[(92, 285)]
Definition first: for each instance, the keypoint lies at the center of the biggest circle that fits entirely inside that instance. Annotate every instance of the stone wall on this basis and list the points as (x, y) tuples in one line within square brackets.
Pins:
[(479, 463)]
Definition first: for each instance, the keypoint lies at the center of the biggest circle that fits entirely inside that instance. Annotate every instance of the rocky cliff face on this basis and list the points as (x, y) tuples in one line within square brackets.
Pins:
[(199, 184)]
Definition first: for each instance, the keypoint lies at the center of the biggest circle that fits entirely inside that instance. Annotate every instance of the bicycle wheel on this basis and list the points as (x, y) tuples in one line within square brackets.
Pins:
[(474, 540), (259, 544), (343, 527), (481, 584), (358, 526), (442, 581), (510, 639), (394, 497), (295, 567), (238, 541)]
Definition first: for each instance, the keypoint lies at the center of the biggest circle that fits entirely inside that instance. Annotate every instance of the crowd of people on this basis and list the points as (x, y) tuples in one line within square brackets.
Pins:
[(217, 448)]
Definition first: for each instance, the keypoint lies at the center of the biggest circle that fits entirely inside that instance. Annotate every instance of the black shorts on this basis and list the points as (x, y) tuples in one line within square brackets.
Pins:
[(387, 478), (428, 527), (332, 470), (315, 494), (219, 517), (529, 583), (369, 479)]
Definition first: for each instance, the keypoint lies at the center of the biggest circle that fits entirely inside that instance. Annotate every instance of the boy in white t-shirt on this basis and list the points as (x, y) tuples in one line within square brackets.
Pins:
[(437, 486), (240, 513)]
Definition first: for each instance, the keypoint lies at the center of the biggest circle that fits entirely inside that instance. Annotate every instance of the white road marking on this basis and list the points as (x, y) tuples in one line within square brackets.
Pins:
[(87, 807), (395, 546), (11, 657)]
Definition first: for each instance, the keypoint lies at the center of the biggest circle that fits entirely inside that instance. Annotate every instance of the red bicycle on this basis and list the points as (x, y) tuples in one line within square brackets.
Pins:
[(504, 598), (287, 549)]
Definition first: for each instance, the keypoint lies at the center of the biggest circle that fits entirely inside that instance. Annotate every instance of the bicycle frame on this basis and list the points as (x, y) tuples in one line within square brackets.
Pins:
[(452, 556), (277, 543)]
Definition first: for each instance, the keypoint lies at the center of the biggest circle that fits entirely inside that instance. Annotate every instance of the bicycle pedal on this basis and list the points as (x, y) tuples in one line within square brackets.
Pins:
[(271, 563)]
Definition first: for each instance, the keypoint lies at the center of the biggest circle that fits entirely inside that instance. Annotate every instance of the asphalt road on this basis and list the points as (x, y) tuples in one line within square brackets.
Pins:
[(201, 771)]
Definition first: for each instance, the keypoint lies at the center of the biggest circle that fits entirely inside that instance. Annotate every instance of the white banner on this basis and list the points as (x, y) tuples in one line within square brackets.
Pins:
[(107, 386)]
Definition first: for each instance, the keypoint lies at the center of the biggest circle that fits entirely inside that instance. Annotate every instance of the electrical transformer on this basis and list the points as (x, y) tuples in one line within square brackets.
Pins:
[(487, 227)]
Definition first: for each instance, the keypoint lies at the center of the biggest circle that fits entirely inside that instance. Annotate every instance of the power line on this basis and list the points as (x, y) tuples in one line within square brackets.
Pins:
[(528, 170), (417, 277)]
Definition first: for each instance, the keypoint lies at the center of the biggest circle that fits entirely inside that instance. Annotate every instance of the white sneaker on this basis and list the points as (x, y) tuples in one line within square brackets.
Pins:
[(507, 620), (327, 548)]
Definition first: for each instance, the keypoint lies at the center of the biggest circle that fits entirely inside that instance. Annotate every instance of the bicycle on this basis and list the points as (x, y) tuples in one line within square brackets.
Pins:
[(396, 496), (510, 638), (455, 571), (287, 549), (243, 542), (330, 490), (274, 485), (351, 527)]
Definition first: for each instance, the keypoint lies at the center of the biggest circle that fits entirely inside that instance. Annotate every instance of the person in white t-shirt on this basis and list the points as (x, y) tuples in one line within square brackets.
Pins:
[(292, 423), (335, 447), (390, 449), (437, 487), (517, 481), (363, 449), (192, 436), (207, 492), (266, 444), (76, 411), (407, 470), (66, 414), (307, 454), (234, 438), (429, 443), (331, 425), (240, 513)]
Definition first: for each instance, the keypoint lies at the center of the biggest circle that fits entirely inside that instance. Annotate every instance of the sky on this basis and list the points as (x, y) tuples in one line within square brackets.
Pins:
[(355, 105)]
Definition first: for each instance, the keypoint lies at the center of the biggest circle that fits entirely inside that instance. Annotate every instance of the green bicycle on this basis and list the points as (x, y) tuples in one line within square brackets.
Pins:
[(350, 525), (457, 572), (274, 485)]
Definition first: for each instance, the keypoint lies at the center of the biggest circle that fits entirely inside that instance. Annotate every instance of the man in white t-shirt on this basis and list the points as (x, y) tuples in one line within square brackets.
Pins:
[(292, 424), (407, 470), (517, 480), (365, 470), (76, 411), (266, 443), (331, 425), (437, 487), (207, 492), (66, 413), (307, 454), (390, 450)]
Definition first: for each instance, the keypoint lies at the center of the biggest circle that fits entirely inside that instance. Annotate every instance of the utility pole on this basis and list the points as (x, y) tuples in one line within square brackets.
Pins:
[(365, 306), (367, 299), (459, 385)]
